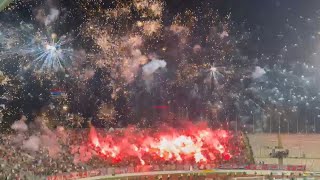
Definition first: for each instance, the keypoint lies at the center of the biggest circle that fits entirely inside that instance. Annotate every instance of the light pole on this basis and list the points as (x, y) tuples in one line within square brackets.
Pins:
[(187, 113), (270, 124), (318, 116), (306, 125), (279, 127), (316, 119), (314, 124), (253, 122), (288, 125), (236, 124), (216, 116), (294, 110), (297, 124)]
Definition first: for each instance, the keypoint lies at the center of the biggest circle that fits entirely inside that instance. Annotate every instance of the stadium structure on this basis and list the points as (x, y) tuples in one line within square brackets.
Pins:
[(271, 156)]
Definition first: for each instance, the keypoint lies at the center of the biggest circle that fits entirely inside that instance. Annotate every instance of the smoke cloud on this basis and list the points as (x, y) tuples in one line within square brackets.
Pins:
[(53, 15), (258, 72), (148, 70), (32, 144), (20, 126), (45, 18), (42, 137), (153, 66)]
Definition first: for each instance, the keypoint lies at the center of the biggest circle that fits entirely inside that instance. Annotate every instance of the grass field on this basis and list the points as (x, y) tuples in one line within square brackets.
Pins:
[(304, 149)]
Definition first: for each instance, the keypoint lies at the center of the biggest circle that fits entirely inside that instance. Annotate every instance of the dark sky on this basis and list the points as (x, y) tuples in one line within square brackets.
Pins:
[(278, 23), (275, 23)]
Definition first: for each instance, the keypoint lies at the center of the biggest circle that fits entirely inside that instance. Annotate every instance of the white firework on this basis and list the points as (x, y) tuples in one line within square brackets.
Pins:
[(214, 75), (50, 56)]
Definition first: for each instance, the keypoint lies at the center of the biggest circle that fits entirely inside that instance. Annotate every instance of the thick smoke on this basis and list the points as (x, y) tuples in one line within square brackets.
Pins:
[(52, 16), (20, 126), (32, 143), (153, 66), (41, 136), (149, 69), (258, 72)]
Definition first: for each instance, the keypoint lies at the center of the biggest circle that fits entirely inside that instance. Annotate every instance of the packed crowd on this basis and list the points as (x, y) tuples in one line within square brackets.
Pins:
[(17, 163), (239, 150)]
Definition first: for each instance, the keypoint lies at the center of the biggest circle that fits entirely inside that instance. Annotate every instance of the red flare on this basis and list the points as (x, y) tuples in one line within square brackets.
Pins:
[(192, 143)]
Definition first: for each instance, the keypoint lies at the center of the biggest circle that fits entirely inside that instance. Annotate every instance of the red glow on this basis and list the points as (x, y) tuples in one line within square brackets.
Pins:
[(160, 107), (192, 143), (226, 156)]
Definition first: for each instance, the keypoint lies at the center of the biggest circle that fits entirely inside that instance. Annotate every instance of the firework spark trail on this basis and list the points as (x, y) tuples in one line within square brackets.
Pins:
[(54, 58), (50, 55), (214, 75), (43, 53), (275, 84), (193, 143)]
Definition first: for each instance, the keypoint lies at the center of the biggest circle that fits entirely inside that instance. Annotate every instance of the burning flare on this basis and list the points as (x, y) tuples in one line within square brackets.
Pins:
[(193, 143)]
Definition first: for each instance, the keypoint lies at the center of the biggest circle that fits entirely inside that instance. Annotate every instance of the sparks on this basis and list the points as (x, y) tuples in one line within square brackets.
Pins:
[(52, 56)]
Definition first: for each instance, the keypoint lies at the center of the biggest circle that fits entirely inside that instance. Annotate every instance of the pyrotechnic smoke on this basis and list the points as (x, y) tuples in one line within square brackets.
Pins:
[(52, 16), (42, 137), (50, 142), (82, 153), (148, 70), (258, 72), (20, 126), (47, 18), (32, 143), (151, 67)]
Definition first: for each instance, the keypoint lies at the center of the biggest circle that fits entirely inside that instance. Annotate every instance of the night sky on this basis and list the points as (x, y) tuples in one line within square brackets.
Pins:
[(279, 38), (267, 19)]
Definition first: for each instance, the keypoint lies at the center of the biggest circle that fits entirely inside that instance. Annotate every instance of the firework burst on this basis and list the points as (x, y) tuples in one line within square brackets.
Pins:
[(49, 55), (43, 54)]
